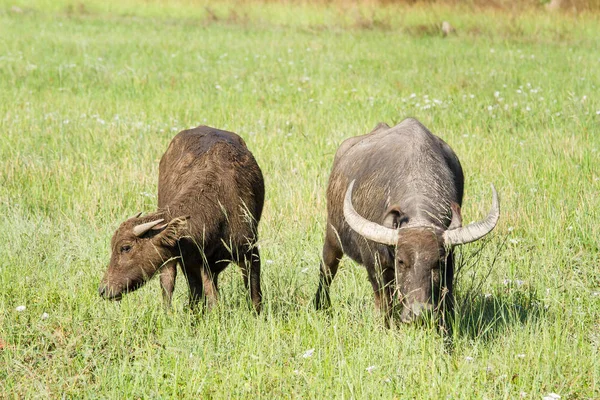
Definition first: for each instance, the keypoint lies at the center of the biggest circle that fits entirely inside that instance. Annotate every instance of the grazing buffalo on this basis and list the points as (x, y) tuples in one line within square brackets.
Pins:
[(210, 199), (393, 205)]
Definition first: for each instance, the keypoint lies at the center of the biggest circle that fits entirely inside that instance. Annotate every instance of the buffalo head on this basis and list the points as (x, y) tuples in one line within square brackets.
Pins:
[(421, 252), (139, 248)]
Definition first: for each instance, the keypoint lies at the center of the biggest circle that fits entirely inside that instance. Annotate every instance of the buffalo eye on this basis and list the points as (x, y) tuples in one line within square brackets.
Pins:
[(126, 249)]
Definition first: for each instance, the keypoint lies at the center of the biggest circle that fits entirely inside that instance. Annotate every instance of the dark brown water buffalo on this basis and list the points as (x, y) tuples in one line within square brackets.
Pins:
[(393, 205), (210, 199)]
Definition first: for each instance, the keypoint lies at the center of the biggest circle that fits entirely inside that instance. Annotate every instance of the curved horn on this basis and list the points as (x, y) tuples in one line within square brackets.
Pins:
[(475, 230), (139, 230), (137, 215), (364, 227)]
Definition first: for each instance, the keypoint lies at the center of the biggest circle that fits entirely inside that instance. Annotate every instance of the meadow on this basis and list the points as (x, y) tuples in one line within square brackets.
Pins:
[(91, 94)]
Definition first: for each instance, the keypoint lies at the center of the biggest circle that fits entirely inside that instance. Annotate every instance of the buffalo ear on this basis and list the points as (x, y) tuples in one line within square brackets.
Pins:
[(394, 218), (456, 221), (172, 231)]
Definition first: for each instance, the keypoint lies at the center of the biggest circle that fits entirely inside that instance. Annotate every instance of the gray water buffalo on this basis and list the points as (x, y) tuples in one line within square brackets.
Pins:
[(210, 199), (393, 205)]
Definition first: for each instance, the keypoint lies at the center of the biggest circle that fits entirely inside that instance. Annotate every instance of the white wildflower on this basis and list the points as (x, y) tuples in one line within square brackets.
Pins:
[(370, 368), (469, 359), (45, 316), (551, 396), (20, 308), (308, 353)]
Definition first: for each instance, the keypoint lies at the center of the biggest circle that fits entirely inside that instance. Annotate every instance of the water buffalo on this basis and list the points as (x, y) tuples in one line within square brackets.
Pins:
[(210, 199), (393, 205)]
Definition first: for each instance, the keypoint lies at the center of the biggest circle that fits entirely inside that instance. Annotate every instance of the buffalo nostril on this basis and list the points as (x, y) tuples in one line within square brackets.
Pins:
[(102, 290), (407, 317), (421, 308)]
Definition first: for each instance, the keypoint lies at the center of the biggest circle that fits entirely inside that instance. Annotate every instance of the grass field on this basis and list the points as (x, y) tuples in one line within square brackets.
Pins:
[(90, 96)]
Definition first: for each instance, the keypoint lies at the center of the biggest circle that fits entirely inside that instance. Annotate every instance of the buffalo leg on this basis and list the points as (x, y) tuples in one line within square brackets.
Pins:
[(389, 280), (250, 265), (209, 281), (194, 278), (332, 254), (447, 295), (168, 275), (382, 281)]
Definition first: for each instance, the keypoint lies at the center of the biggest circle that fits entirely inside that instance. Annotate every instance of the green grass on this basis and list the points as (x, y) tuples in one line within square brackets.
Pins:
[(90, 97)]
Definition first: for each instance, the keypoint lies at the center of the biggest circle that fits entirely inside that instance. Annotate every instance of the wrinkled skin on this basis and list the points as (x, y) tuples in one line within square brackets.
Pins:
[(210, 200), (406, 178)]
